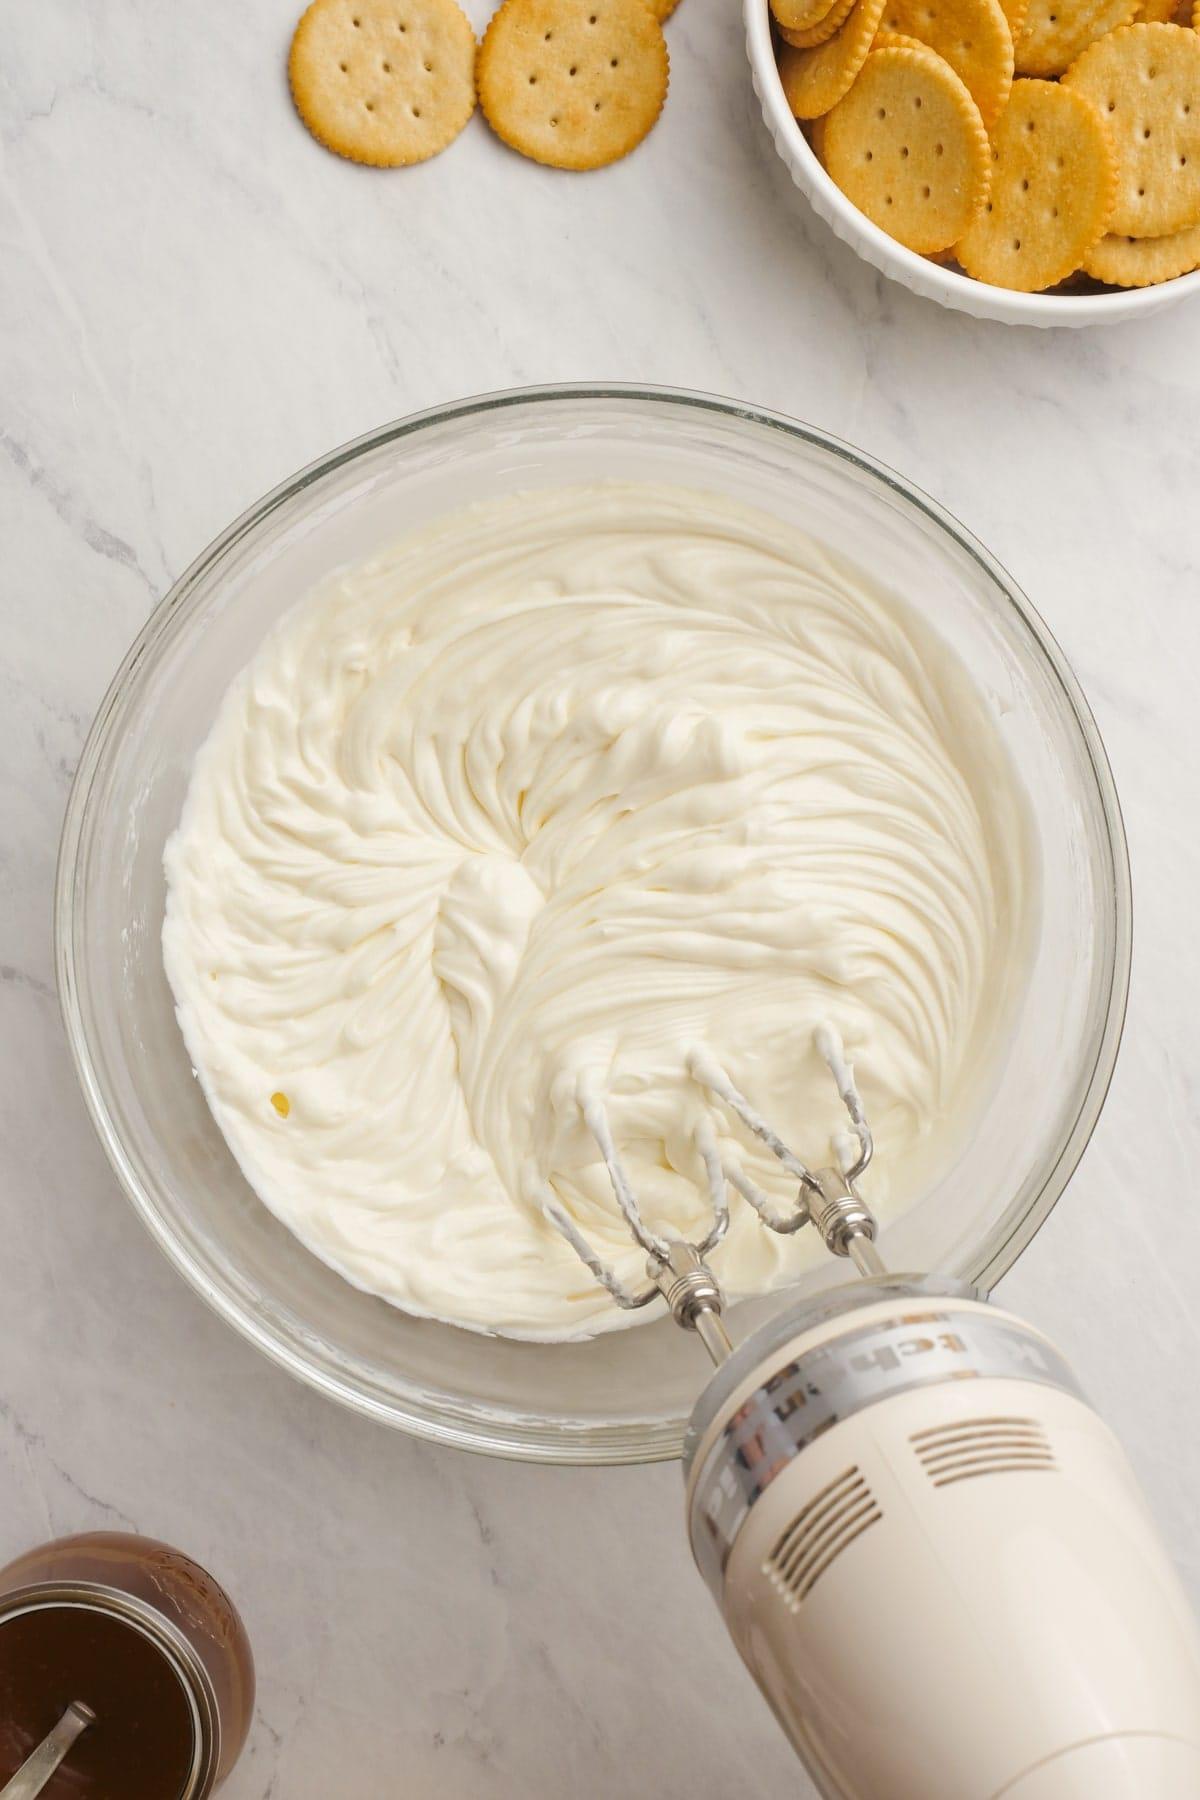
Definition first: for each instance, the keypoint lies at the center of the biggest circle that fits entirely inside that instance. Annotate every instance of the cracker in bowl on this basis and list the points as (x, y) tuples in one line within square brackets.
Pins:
[(1145, 79), (908, 146), (1053, 182)]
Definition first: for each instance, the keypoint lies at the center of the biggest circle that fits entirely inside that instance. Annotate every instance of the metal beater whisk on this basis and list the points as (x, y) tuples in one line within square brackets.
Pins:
[(827, 1198)]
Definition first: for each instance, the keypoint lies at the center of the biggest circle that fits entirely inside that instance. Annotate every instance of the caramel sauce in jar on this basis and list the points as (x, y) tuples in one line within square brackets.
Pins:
[(149, 1641)]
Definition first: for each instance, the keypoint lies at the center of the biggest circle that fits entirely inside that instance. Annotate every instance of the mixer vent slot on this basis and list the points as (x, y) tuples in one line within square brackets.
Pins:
[(973, 1447), (818, 1534)]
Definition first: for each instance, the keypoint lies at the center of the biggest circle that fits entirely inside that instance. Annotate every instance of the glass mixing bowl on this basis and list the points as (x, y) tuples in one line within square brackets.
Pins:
[(626, 1396)]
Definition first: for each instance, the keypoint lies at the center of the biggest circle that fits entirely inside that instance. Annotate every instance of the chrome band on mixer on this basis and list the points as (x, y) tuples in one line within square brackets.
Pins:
[(815, 1391)]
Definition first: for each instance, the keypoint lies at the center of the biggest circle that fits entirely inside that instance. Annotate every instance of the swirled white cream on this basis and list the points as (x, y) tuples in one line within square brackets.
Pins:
[(561, 790)]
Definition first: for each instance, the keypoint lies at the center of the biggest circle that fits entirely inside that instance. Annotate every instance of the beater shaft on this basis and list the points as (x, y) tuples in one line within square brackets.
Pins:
[(865, 1257)]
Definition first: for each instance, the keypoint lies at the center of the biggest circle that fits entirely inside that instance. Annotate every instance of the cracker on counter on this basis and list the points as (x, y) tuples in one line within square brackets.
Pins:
[(823, 30), (799, 15), (1141, 262), (1145, 79), (386, 82), (1053, 182), (815, 80), (1055, 32), (972, 35), (573, 83), (908, 146)]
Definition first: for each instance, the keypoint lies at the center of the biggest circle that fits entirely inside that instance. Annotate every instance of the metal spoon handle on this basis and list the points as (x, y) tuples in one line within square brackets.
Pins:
[(40, 1764)]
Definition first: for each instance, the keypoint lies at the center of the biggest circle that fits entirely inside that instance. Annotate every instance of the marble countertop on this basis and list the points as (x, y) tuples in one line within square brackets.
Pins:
[(196, 300)]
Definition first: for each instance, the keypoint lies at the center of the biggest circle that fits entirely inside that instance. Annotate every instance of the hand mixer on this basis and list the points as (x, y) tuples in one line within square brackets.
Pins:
[(932, 1555)]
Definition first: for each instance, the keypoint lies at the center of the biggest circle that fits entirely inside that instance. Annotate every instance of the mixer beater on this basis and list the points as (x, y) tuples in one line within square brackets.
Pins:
[(931, 1553), (829, 1200)]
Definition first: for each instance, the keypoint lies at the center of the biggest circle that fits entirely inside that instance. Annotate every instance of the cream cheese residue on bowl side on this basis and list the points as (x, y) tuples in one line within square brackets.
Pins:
[(556, 793)]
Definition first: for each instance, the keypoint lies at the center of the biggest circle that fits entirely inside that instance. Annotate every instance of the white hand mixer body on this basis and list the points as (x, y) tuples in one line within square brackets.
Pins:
[(932, 1555)]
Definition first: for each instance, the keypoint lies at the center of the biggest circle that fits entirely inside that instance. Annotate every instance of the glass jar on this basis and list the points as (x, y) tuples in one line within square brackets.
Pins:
[(148, 1641)]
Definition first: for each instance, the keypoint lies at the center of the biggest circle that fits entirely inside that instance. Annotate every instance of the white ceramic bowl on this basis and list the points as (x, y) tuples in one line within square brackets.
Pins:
[(945, 285), (624, 1397)]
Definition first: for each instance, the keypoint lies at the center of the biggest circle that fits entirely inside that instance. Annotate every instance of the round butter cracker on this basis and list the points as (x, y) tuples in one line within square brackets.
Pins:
[(798, 15), (1142, 262), (1055, 32), (815, 80), (908, 147), (823, 30), (385, 82), (576, 84), (1145, 79), (1053, 181), (972, 35)]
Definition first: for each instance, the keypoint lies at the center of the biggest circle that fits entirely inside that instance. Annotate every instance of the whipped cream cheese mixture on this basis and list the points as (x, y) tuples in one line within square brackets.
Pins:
[(557, 794)]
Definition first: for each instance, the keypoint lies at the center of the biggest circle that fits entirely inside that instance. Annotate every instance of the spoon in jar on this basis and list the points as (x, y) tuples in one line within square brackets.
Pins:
[(35, 1772)]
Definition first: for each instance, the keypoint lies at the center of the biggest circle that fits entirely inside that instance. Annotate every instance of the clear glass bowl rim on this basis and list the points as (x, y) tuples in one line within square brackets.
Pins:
[(999, 1249)]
